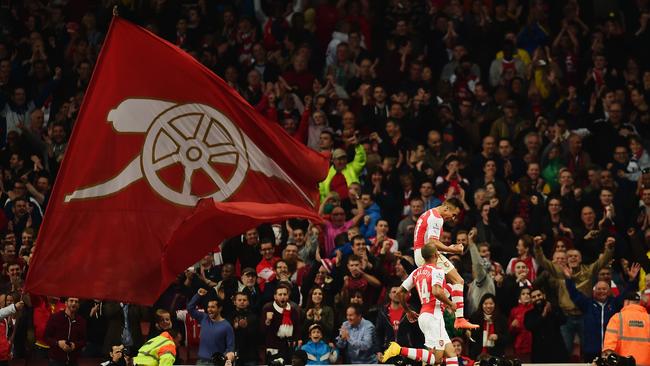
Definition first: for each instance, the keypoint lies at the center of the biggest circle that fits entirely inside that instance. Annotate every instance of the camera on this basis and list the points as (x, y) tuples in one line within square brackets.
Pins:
[(129, 352), (218, 359), (299, 358), (498, 361), (614, 359), (276, 360)]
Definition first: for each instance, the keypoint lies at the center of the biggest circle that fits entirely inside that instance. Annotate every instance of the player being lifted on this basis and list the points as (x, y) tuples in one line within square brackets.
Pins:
[(428, 230), (429, 280)]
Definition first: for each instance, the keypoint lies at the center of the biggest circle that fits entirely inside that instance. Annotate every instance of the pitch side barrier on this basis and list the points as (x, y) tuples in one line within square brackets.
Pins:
[(523, 364)]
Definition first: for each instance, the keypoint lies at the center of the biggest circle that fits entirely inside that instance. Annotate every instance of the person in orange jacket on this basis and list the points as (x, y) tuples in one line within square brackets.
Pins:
[(160, 350), (628, 332)]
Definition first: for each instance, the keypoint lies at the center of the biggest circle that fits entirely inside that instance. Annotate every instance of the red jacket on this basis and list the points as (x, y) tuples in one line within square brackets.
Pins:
[(5, 344), (42, 312), (523, 343), (192, 328), (61, 327)]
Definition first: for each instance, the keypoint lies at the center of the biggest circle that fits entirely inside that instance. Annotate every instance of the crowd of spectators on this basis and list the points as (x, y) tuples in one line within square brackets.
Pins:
[(533, 113)]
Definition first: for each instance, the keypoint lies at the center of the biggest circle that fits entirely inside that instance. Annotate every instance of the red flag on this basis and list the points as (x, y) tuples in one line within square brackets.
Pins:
[(157, 132)]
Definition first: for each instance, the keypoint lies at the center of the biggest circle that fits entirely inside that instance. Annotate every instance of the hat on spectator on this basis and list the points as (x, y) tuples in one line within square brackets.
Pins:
[(328, 264), (633, 296), (315, 326), (248, 270), (339, 153)]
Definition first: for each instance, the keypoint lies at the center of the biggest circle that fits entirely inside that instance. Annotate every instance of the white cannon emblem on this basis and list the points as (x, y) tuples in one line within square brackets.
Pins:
[(194, 135)]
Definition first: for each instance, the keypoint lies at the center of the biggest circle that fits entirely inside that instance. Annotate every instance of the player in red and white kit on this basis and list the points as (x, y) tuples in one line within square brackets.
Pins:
[(427, 231), (429, 280)]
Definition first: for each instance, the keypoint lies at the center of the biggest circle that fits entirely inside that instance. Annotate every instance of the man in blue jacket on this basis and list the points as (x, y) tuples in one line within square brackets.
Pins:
[(596, 312)]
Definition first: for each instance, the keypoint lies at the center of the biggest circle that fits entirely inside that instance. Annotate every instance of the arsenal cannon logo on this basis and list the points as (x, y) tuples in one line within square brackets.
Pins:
[(191, 134)]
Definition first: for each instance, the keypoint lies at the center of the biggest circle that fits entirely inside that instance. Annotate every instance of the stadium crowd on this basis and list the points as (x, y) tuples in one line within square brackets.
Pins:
[(533, 114)]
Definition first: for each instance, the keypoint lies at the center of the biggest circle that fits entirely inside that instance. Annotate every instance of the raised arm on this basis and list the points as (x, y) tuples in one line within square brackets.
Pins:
[(577, 297), (360, 213), (324, 202), (11, 309), (478, 271), (191, 306), (543, 261), (605, 258), (259, 12), (372, 280), (303, 127), (38, 196), (359, 161)]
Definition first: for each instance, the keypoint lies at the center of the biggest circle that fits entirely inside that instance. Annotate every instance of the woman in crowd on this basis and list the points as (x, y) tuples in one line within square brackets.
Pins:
[(492, 335), (317, 312)]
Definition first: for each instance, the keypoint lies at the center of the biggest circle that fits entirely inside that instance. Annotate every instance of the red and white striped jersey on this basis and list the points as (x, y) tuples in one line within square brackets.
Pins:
[(429, 225), (424, 279), (192, 327)]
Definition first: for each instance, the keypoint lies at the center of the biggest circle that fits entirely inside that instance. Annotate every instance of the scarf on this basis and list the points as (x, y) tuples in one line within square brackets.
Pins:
[(286, 328), (488, 329)]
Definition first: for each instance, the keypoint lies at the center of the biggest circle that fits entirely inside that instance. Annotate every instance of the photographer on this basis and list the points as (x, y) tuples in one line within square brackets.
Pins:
[(117, 356)]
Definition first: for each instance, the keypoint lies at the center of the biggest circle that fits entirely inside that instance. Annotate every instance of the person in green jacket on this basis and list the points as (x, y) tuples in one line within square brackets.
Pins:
[(159, 351), (511, 125), (342, 173)]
